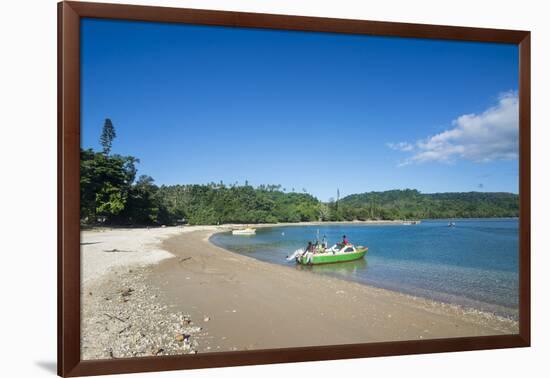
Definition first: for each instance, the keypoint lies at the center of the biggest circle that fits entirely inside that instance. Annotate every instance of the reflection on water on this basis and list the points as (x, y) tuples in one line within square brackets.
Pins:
[(345, 269)]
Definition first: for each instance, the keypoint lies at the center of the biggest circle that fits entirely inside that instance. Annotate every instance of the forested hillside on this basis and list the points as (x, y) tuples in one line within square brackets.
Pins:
[(411, 204), (112, 193)]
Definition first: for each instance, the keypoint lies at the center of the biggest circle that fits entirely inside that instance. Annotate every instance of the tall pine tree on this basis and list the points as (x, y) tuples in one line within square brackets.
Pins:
[(107, 136)]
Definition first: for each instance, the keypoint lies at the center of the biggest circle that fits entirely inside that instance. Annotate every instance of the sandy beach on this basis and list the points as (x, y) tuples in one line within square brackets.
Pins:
[(169, 291), (121, 315)]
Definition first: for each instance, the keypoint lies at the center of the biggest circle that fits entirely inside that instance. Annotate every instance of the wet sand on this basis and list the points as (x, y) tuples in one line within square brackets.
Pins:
[(251, 304)]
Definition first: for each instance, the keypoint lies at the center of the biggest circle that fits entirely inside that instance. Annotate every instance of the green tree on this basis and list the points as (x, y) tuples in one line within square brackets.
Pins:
[(143, 205), (105, 184), (107, 135), (110, 200)]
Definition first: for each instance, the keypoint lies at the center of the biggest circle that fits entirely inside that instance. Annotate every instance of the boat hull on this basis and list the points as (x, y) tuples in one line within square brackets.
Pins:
[(244, 232), (328, 258)]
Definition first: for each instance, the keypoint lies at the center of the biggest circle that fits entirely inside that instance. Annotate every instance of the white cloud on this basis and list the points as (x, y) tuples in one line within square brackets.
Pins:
[(490, 135), (401, 146)]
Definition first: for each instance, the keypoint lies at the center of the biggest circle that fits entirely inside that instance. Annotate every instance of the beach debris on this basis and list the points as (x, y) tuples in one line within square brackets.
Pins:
[(125, 329), (114, 317), (144, 326), (185, 339), (186, 343), (115, 250), (184, 259), (127, 292), (158, 351), (185, 319), (206, 318)]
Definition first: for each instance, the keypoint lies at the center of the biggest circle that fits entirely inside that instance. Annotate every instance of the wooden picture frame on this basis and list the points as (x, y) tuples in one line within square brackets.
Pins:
[(69, 16)]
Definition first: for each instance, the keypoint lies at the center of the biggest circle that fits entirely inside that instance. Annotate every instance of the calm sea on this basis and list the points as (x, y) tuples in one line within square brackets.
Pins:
[(474, 264)]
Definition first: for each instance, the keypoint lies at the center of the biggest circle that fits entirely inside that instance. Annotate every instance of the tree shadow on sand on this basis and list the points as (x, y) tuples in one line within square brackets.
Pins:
[(88, 243)]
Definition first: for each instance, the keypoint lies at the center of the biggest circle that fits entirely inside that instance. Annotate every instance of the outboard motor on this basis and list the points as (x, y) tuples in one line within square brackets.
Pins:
[(297, 253)]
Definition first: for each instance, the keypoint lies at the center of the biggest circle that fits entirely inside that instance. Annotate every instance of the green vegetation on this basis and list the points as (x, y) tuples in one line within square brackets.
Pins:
[(218, 204), (107, 136), (411, 204), (110, 193)]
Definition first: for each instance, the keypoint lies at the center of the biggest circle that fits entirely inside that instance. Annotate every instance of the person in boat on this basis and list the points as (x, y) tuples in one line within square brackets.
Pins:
[(344, 241), (324, 242), (317, 246), (309, 247)]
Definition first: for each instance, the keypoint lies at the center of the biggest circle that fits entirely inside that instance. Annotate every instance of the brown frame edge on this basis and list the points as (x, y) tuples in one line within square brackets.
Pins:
[(69, 14)]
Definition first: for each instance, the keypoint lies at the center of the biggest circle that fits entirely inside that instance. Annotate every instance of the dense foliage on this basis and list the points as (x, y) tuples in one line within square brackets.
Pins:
[(217, 204), (109, 191), (111, 194), (411, 204)]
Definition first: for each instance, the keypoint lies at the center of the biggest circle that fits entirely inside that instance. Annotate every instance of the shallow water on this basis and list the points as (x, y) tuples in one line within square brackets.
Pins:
[(474, 264)]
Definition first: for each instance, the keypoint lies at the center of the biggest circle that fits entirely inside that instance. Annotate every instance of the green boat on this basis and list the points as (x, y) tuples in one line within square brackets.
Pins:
[(332, 255)]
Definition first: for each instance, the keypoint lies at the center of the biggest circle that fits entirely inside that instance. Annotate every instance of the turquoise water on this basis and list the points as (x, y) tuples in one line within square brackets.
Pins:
[(474, 264)]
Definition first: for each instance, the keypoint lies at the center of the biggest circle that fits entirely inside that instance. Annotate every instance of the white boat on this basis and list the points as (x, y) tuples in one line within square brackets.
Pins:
[(244, 231)]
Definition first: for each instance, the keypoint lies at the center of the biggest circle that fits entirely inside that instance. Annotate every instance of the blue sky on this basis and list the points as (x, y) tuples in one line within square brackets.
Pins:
[(305, 110)]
